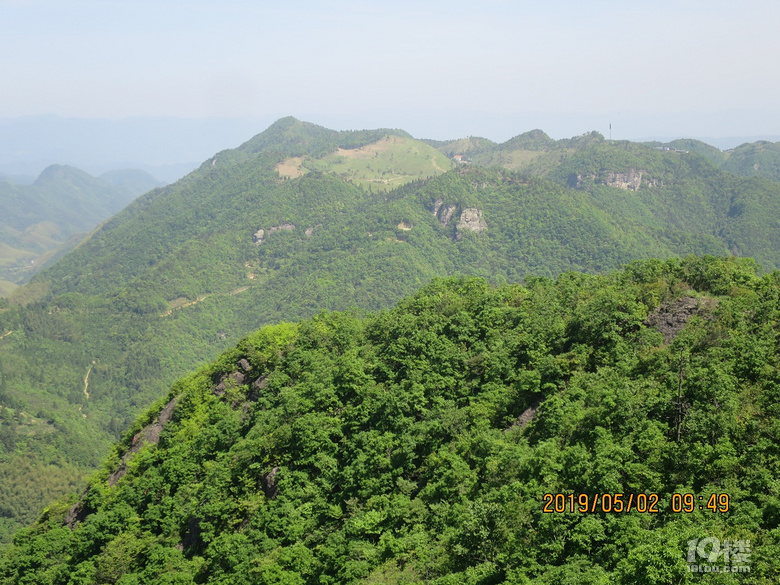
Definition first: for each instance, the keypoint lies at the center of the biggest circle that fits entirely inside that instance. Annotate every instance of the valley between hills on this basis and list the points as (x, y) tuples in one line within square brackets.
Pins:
[(43, 220), (577, 316)]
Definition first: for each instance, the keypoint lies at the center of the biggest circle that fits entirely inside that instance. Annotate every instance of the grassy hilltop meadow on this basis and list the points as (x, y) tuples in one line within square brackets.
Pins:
[(302, 219)]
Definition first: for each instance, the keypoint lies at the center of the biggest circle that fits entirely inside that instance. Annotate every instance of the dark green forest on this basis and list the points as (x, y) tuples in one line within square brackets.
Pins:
[(416, 444), (181, 274)]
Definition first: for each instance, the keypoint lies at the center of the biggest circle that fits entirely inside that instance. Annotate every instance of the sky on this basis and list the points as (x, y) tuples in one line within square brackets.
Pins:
[(661, 68)]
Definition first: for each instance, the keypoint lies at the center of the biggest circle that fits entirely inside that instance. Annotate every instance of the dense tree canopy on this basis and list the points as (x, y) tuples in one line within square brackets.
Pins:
[(417, 444), (181, 274)]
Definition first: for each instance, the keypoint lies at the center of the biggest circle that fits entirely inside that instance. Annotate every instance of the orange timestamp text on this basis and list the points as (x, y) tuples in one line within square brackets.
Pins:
[(624, 503)]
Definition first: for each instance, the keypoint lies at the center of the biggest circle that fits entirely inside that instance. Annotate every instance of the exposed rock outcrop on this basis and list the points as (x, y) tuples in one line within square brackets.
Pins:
[(446, 214), (254, 392), (471, 219), (78, 512), (527, 416), (149, 435), (270, 488), (575, 180), (670, 318), (260, 235), (234, 379), (443, 212), (260, 383), (630, 181)]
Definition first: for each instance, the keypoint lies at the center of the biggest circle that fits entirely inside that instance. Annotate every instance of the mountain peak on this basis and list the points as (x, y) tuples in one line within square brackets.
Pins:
[(288, 133), (531, 140), (292, 137), (58, 173)]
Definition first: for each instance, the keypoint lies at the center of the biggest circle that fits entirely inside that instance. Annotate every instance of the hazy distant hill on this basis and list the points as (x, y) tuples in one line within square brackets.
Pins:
[(536, 153), (56, 211), (752, 159), (301, 218), (163, 146), (756, 159), (130, 181), (16, 179)]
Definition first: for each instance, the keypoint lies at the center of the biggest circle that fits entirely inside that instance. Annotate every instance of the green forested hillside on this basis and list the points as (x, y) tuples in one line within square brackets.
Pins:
[(423, 444), (56, 211), (536, 153), (752, 159), (187, 270), (755, 159)]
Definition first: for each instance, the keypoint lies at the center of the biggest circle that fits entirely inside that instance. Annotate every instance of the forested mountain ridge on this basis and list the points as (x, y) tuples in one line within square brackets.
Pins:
[(751, 159), (58, 209), (188, 269), (683, 180), (536, 153), (417, 445)]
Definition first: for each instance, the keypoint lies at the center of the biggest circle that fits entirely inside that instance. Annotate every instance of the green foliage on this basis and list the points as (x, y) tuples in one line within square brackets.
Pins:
[(176, 277), (752, 159), (390, 162), (39, 222), (757, 159), (415, 445)]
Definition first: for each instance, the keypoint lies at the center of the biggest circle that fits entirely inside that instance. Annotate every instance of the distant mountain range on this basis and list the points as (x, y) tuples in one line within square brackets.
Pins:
[(170, 147), (166, 147), (751, 159), (302, 218), (42, 220)]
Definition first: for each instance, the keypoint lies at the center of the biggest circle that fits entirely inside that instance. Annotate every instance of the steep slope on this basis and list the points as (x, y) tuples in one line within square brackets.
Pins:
[(188, 269), (427, 444), (57, 210)]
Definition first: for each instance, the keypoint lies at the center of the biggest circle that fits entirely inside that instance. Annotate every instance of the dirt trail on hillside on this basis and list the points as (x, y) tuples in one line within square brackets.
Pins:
[(436, 166), (86, 382), (181, 305)]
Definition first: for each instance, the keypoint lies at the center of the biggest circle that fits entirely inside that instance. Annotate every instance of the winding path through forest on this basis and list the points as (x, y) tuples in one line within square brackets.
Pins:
[(86, 382)]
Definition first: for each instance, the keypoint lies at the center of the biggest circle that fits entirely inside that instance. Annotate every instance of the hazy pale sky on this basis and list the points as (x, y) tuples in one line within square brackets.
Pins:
[(439, 69)]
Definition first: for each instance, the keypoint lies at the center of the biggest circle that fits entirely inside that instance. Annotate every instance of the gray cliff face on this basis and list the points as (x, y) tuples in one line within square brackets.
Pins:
[(446, 214), (443, 212), (471, 220), (261, 234), (630, 181)]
